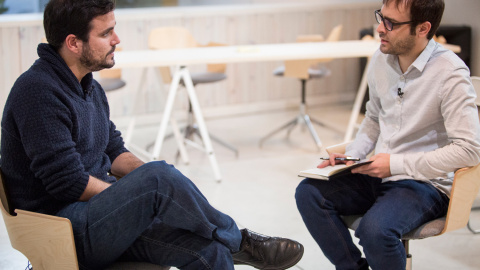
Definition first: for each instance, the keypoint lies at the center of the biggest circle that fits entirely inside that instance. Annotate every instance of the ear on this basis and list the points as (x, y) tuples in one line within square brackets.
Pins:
[(73, 44), (423, 29)]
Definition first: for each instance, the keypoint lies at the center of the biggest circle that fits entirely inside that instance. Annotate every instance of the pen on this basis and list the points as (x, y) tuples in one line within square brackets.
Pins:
[(342, 158)]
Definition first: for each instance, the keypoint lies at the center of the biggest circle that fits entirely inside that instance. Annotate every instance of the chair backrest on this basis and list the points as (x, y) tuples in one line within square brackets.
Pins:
[(170, 38), (3, 196), (162, 38), (335, 34), (299, 68), (466, 185), (216, 68), (476, 85), (47, 241)]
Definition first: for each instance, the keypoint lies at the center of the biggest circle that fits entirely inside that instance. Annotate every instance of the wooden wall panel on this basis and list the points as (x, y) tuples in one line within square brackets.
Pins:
[(247, 83)]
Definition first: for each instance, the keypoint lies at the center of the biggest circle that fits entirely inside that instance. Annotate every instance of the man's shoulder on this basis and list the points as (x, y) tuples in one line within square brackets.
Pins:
[(446, 59), (38, 74)]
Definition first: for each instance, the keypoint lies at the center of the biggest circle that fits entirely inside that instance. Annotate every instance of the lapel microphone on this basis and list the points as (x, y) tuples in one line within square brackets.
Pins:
[(399, 92)]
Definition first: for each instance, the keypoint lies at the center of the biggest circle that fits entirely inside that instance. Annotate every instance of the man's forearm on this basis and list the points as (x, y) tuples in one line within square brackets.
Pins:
[(94, 187), (125, 163)]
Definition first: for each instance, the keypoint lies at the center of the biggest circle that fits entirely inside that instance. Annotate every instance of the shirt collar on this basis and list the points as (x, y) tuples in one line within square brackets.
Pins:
[(423, 58)]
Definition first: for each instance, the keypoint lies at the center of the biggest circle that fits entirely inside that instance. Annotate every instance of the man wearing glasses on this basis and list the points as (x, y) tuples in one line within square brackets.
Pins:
[(422, 123)]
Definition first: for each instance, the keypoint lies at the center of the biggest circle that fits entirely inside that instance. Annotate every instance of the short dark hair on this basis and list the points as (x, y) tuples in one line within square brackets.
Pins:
[(422, 11), (64, 17)]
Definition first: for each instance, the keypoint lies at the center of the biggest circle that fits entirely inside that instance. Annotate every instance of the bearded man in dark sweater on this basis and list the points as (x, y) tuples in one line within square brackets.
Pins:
[(59, 150)]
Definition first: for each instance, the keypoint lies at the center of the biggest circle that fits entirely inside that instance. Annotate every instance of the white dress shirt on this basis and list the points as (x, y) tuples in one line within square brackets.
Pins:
[(425, 118)]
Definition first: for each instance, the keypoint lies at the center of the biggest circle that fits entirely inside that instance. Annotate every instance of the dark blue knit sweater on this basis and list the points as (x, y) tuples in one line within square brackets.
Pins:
[(55, 133)]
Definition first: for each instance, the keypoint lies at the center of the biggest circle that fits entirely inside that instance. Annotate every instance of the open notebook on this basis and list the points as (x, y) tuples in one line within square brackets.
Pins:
[(329, 171)]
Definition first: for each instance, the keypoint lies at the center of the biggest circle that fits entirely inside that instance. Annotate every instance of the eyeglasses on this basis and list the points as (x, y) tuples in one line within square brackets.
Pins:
[(386, 22)]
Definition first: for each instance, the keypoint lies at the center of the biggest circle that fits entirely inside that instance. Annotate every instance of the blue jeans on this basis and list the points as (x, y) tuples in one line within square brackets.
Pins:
[(390, 210), (154, 214)]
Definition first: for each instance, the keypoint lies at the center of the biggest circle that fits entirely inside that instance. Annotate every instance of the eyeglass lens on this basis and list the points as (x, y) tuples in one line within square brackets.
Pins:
[(388, 24)]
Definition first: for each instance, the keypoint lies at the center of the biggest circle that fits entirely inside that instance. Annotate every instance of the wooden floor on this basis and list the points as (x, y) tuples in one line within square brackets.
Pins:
[(258, 187)]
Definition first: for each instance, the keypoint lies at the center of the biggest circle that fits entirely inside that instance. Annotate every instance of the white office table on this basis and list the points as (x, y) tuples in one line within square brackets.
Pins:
[(181, 58)]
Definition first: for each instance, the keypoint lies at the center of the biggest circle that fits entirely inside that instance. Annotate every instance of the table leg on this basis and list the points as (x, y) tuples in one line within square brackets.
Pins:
[(180, 141), (131, 113), (362, 89), (166, 113), (182, 73), (200, 122)]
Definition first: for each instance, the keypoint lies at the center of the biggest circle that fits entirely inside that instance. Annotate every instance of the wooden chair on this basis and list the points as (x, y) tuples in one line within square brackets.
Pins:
[(47, 241), (305, 70), (176, 38), (476, 85), (466, 185)]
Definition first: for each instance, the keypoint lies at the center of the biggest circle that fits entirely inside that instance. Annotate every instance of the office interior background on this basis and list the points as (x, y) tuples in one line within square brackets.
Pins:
[(245, 106)]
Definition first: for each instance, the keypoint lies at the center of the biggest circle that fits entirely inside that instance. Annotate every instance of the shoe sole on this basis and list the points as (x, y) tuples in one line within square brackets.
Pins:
[(269, 267)]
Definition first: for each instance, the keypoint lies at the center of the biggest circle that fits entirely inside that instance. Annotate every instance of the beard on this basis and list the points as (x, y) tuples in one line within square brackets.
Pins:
[(88, 60), (400, 46)]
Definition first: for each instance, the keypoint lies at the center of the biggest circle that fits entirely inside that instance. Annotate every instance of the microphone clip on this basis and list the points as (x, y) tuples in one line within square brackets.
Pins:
[(399, 92)]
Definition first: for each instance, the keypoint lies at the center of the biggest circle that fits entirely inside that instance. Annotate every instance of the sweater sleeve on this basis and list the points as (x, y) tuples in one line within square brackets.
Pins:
[(44, 123), (116, 145)]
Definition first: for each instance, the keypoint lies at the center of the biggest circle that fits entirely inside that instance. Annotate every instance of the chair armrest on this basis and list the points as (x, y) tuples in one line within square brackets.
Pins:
[(466, 185)]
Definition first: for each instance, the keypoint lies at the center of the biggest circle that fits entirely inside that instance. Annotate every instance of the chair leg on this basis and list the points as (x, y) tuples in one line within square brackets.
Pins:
[(301, 117), (474, 231), (315, 137), (192, 129), (409, 256), (291, 123)]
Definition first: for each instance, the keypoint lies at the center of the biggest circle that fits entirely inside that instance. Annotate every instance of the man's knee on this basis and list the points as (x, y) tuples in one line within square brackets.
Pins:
[(305, 195), (372, 233), (156, 171)]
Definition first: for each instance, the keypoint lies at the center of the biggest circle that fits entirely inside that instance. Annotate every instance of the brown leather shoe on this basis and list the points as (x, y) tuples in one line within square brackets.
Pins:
[(265, 252)]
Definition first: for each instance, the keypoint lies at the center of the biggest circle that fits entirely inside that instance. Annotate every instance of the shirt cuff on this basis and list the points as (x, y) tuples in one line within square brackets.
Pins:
[(396, 164)]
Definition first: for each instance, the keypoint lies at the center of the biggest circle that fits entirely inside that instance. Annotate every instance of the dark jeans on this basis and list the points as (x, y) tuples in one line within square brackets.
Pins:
[(390, 210), (154, 214)]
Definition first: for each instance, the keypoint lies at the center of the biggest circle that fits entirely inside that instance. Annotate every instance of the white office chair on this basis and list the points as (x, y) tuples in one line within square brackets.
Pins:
[(305, 70)]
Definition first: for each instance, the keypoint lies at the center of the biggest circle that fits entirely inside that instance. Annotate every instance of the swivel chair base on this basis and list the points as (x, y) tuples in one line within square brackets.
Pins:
[(302, 118)]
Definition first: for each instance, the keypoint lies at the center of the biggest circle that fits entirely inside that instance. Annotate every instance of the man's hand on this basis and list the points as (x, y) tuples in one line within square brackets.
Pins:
[(332, 160), (380, 167)]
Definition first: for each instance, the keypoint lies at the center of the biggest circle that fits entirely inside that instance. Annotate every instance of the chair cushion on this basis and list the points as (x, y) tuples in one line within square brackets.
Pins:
[(428, 229), (110, 84), (136, 266), (207, 77), (313, 73)]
